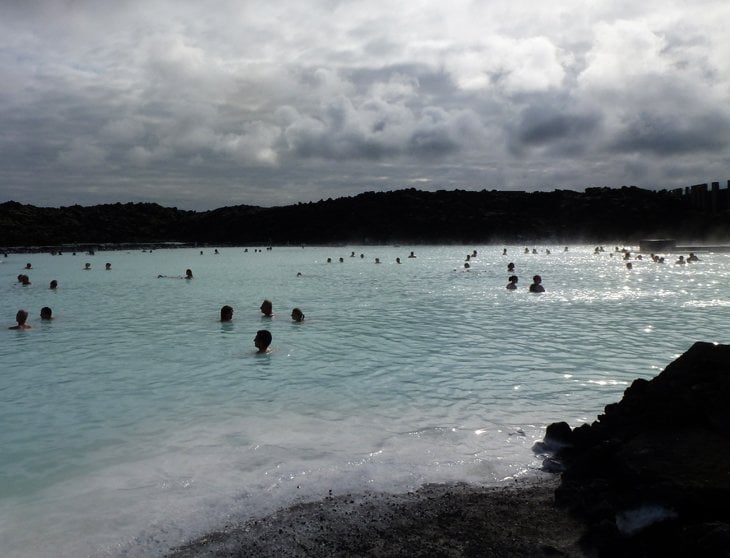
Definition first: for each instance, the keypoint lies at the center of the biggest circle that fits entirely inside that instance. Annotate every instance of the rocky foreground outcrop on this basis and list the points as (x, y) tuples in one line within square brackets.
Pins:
[(651, 476)]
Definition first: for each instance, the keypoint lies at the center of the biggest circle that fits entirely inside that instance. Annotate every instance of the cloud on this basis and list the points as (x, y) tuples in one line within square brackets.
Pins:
[(667, 135), (511, 65), (562, 130), (82, 153), (201, 104)]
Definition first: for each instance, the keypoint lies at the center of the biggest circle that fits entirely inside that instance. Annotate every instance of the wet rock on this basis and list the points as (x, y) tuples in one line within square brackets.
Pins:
[(559, 433), (665, 446)]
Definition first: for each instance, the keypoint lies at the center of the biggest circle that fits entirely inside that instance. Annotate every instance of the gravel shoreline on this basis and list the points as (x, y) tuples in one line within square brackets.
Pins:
[(516, 520)]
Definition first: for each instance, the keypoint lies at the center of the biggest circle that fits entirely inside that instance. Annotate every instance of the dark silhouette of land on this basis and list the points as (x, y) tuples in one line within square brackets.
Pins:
[(413, 216)]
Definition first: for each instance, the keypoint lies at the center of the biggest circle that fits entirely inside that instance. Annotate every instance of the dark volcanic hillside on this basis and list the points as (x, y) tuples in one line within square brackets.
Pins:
[(27, 225), (414, 216)]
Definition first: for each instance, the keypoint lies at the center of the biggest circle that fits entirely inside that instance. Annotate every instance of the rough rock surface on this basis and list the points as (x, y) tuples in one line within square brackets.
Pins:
[(651, 477), (436, 521)]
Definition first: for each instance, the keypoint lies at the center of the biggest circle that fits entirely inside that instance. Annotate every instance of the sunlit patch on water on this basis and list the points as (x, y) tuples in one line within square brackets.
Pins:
[(607, 382), (714, 303)]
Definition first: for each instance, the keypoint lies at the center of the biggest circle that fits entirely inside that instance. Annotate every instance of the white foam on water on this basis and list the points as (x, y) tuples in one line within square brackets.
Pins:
[(144, 507)]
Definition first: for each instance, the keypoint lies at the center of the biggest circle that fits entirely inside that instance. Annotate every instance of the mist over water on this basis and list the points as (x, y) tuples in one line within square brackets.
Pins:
[(135, 419)]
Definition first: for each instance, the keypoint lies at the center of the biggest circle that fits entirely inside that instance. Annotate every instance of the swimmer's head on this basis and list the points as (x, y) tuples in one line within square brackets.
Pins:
[(188, 274), (46, 313), (297, 315), (54, 284), (21, 316), (537, 279), (266, 308), (262, 340), (226, 313)]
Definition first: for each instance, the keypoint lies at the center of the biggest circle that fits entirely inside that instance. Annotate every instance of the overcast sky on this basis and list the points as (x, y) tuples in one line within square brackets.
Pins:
[(201, 104)]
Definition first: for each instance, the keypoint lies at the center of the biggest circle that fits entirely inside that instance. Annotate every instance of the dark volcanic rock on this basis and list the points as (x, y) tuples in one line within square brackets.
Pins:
[(514, 521), (651, 476)]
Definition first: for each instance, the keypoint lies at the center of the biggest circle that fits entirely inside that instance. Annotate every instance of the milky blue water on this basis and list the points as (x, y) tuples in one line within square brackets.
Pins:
[(135, 419)]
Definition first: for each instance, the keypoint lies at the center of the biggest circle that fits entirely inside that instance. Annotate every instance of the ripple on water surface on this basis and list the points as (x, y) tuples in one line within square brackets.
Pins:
[(137, 404)]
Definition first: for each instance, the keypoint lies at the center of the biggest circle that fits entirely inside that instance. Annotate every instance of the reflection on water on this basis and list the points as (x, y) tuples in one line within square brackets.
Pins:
[(137, 407)]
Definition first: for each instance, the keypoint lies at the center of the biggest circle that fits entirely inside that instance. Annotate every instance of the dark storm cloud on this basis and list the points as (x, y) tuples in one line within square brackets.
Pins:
[(377, 131), (540, 127), (561, 130), (671, 134)]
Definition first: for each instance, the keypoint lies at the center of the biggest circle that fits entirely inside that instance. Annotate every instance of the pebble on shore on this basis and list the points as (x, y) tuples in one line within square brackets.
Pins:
[(517, 520)]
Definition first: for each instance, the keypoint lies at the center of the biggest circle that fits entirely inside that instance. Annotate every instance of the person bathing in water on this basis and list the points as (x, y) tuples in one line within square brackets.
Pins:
[(536, 286), (262, 341), (226, 313), (21, 317)]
